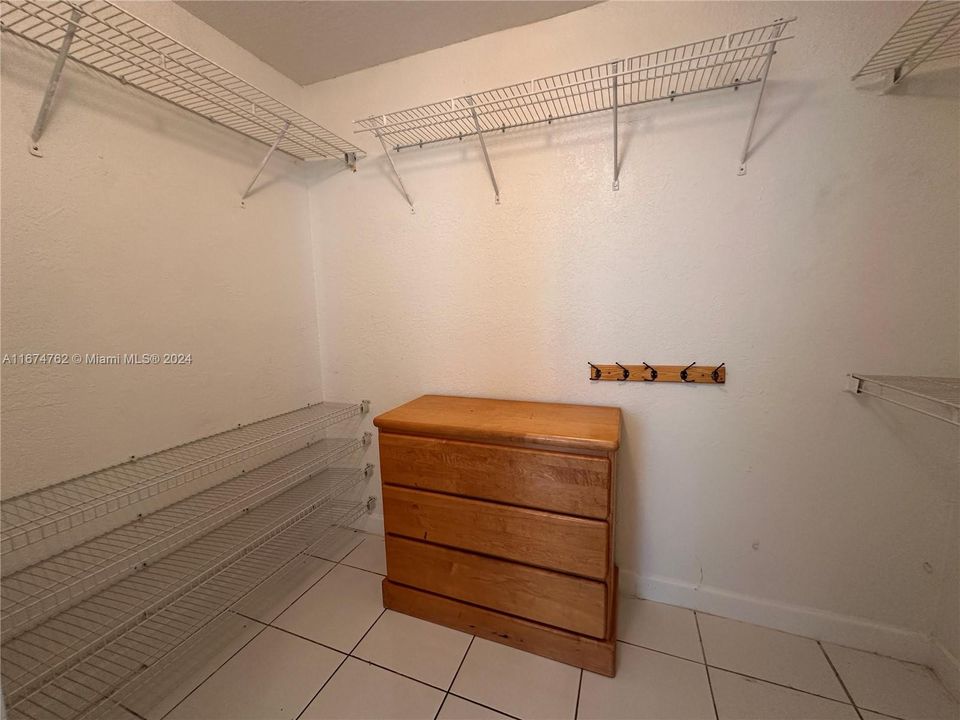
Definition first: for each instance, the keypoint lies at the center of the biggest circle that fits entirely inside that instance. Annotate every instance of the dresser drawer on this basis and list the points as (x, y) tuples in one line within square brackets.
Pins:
[(556, 542), (555, 481), (547, 597)]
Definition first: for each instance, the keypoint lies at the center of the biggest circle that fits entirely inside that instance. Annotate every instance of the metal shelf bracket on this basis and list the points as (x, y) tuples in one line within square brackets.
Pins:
[(266, 159), (742, 170), (403, 189), (486, 156), (41, 123), (615, 101)]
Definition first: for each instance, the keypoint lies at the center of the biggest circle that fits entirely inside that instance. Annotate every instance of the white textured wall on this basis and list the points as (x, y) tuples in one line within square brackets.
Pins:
[(128, 236), (778, 498)]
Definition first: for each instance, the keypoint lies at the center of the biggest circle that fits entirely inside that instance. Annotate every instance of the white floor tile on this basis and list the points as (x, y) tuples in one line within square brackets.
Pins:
[(414, 647), (276, 593), (891, 686), (767, 654), (455, 708), (740, 698), (337, 544), (659, 627), (112, 711), (648, 686), (517, 683), (273, 677), (338, 610), (369, 555), (360, 691), (166, 686)]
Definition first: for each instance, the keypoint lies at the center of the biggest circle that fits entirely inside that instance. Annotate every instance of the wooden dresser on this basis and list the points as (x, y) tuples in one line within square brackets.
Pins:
[(499, 519)]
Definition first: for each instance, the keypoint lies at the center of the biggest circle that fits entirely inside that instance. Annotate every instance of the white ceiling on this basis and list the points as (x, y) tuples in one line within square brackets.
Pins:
[(313, 40)]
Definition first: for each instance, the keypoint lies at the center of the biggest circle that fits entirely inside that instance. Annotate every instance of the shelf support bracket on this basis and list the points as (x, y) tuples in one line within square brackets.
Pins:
[(266, 158), (616, 129), (403, 189), (41, 123), (756, 108), (486, 156)]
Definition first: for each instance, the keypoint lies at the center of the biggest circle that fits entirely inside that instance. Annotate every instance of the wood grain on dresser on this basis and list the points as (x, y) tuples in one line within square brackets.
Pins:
[(499, 518)]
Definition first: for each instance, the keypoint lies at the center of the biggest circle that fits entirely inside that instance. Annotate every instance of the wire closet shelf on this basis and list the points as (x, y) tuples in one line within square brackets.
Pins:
[(936, 397), (43, 515), (725, 61), (931, 33), (101, 36)]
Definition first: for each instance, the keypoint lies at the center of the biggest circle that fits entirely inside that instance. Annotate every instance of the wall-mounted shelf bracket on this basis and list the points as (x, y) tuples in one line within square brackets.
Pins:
[(403, 189), (936, 397), (266, 159), (483, 147), (742, 170), (62, 54), (615, 102)]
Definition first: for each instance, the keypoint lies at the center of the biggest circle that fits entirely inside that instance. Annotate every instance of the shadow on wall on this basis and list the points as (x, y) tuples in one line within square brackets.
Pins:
[(940, 83)]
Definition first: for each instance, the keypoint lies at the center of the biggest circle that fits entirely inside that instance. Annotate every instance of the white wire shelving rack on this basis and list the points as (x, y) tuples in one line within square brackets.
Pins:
[(936, 397), (129, 625), (931, 33), (106, 38), (90, 684), (45, 516), (43, 589), (723, 62)]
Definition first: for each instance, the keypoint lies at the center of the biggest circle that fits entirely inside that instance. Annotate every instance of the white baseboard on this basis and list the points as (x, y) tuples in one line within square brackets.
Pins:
[(846, 630), (946, 666)]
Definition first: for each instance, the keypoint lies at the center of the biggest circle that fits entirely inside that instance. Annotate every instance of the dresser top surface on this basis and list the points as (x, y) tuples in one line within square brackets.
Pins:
[(587, 427)]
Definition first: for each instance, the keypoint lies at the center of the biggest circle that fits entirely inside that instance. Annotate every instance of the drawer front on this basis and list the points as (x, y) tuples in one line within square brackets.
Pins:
[(556, 542), (560, 482), (543, 596)]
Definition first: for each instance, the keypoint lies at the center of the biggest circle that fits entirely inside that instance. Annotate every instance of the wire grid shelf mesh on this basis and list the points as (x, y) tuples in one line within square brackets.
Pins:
[(937, 397), (175, 589), (726, 61), (931, 33), (42, 514), (122, 46), (154, 647), (40, 590)]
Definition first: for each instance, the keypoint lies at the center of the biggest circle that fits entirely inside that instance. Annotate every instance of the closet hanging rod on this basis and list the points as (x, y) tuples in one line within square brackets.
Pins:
[(112, 41)]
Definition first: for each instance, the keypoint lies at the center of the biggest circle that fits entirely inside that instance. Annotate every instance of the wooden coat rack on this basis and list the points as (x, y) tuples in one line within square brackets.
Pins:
[(692, 373)]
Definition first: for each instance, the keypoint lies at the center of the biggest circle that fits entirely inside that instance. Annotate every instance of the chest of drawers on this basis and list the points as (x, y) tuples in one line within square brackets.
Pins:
[(499, 520)]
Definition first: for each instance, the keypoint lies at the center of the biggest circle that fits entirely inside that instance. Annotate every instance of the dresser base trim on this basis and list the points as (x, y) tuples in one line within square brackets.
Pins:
[(599, 656)]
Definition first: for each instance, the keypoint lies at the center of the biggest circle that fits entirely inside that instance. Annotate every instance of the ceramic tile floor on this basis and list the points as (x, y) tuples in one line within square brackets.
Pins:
[(324, 648)]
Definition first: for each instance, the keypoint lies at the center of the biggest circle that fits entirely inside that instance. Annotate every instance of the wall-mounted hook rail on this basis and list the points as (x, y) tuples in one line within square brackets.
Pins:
[(692, 373)]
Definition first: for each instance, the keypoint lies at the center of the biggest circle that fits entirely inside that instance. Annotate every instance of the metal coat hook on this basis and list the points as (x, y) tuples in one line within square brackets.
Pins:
[(626, 373), (716, 372), (683, 373), (595, 371), (653, 372)]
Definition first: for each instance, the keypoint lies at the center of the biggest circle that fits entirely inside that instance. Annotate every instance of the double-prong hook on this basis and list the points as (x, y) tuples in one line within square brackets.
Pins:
[(626, 373), (683, 373), (653, 372), (716, 372), (594, 371)]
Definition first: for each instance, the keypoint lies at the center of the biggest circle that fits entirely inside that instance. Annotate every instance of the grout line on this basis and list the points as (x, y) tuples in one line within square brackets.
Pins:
[(661, 652), (219, 667), (703, 652), (839, 679), (771, 682), (299, 714), (372, 625), (506, 714), (454, 678), (576, 708)]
